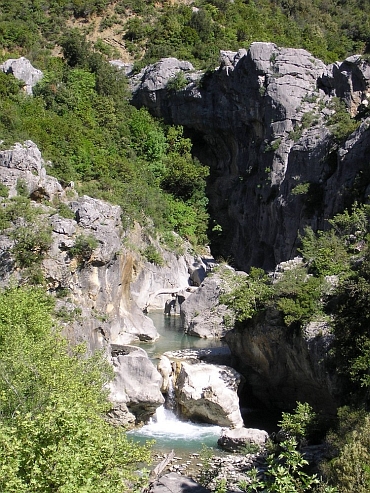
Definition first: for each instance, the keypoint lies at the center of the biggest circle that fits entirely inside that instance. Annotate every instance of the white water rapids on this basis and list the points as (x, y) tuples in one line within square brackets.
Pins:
[(170, 432)]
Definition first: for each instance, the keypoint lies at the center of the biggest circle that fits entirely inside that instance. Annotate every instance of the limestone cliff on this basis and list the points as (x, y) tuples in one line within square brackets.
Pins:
[(109, 288), (261, 123)]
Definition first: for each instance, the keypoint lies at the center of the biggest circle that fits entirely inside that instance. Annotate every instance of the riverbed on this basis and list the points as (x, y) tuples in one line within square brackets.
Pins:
[(168, 431)]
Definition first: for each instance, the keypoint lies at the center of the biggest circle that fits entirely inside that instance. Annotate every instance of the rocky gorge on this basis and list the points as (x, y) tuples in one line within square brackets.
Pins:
[(261, 121)]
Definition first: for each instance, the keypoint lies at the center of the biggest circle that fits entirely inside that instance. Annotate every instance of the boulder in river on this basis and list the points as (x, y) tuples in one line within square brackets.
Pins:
[(233, 440), (208, 393), (136, 383)]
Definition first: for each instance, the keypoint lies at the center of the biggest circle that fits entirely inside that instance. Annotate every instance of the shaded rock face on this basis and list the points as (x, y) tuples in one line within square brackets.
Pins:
[(258, 121), (281, 367), (136, 384), (208, 393)]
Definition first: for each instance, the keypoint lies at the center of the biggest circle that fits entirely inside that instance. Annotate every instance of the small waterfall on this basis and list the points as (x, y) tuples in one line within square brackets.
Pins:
[(171, 402), (168, 431)]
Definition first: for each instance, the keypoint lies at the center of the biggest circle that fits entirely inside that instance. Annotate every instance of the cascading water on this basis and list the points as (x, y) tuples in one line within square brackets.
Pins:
[(168, 431)]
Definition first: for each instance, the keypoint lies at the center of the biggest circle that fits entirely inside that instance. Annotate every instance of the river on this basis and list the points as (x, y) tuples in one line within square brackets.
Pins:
[(168, 431)]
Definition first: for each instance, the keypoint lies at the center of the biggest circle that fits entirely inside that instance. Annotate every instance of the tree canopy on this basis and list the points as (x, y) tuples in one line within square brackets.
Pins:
[(53, 435)]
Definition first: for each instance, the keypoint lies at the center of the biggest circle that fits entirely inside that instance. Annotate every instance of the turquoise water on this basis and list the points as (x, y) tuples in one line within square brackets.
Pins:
[(184, 437), (172, 337), (169, 433)]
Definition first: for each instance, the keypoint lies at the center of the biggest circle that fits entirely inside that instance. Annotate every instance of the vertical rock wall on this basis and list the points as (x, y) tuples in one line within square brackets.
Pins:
[(260, 122)]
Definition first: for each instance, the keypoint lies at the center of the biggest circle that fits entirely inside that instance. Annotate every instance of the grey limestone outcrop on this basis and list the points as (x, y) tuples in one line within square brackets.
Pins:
[(23, 70), (235, 439), (208, 393), (136, 384), (202, 313), (260, 122)]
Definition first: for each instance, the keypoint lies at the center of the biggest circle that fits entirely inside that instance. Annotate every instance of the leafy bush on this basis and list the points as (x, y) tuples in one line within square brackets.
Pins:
[(285, 473), (349, 469), (152, 255), (4, 191), (53, 435), (299, 424), (340, 122), (178, 82), (83, 248), (65, 211), (248, 295), (325, 252), (31, 242)]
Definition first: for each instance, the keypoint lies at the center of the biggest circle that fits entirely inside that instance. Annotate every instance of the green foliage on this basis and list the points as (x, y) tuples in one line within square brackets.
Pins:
[(299, 296), (351, 349), (65, 211), (178, 82), (273, 146), (83, 248), (15, 208), (31, 242), (53, 436), (80, 118), (302, 300), (148, 140), (4, 191), (284, 473), (325, 252), (301, 189), (299, 424), (349, 469), (21, 188), (353, 226), (340, 122), (248, 294), (153, 255)]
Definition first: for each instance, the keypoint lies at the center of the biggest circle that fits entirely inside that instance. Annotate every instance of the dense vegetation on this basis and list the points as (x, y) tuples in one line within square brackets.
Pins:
[(330, 29), (53, 435), (331, 284), (81, 119)]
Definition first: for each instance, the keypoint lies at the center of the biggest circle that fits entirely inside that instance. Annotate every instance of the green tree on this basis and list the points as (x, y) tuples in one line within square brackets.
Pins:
[(248, 294), (53, 435)]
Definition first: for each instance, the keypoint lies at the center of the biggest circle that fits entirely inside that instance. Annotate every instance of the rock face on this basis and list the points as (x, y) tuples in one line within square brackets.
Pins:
[(282, 367), (109, 287), (208, 393), (202, 313), (260, 122), (22, 69), (136, 384)]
